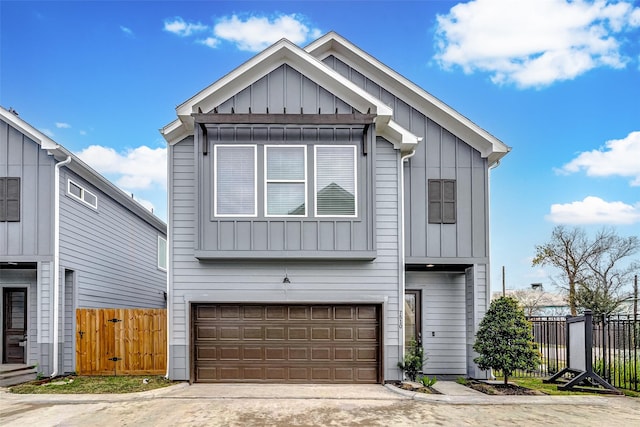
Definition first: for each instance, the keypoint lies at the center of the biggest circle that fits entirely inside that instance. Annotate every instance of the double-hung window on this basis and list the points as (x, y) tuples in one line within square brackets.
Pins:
[(285, 183), (335, 181), (235, 180)]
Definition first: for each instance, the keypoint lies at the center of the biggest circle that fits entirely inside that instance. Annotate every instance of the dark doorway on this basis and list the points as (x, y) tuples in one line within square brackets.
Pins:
[(14, 328)]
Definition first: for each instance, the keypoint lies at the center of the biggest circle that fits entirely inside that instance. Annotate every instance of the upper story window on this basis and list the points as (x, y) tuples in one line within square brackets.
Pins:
[(9, 199), (335, 181), (442, 201), (162, 253), (82, 194), (285, 183), (235, 180), (287, 180)]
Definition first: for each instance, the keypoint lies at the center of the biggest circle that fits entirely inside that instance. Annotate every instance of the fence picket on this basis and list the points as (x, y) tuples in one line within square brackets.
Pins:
[(139, 340)]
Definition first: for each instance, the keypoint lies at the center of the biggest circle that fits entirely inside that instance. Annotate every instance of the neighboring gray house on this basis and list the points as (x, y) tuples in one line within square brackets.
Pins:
[(323, 211), (68, 239)]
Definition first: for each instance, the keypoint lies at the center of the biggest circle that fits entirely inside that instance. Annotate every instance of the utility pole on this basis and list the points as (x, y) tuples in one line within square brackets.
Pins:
[(504, 286), (635, 298)]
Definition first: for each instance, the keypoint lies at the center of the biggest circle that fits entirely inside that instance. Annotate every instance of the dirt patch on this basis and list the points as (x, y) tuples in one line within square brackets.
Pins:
[(501, 389), (411, 386)]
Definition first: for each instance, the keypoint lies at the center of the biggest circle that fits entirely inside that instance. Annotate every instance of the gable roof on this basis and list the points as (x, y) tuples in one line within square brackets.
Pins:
[(285, 52), (333, 44), (59, 153), (309, 62)]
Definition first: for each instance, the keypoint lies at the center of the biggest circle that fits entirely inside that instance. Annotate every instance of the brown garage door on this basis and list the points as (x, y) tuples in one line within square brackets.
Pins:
[(286, 343)]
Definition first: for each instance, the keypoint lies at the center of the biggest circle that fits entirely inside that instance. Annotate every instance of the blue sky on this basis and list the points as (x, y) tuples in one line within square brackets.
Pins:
[(558, 82)]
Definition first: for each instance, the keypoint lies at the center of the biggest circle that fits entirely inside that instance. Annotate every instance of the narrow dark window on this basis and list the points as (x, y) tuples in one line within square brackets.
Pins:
[(9, 199), (412, 317), (442, 201)]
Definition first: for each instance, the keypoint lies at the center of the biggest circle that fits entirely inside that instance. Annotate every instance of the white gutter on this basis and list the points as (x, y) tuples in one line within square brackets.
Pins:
[(56, 263), (401, 256)]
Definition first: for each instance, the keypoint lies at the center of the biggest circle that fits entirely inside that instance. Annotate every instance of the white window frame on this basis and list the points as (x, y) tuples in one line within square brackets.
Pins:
[(315, 180), (255, 181), (83, 192), (304, 181), (166, 254)]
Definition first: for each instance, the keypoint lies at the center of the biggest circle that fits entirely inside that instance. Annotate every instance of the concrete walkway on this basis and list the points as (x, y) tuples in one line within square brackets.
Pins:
[(313, 405)]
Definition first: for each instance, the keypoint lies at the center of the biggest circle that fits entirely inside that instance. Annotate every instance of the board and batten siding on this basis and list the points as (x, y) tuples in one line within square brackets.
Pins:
[(112, 252), (443, 318), (285, 90), (30, 239), (345, 281), (441, 155)]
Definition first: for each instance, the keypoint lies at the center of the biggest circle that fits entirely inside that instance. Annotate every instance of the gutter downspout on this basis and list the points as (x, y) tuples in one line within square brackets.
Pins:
[(401, 260), (56, 264)]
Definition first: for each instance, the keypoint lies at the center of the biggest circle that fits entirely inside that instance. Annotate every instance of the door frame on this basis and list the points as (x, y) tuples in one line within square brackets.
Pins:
[(3, 311)]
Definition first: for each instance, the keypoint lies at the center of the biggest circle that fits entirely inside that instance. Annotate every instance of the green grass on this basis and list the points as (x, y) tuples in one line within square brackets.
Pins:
[(92, 385), (552, 389)]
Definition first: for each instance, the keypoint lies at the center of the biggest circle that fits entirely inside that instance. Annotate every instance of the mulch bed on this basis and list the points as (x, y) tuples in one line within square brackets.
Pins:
[(501, 389), (406, 385)]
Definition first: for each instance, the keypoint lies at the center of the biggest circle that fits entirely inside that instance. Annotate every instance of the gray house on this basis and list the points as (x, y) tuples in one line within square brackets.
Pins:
[(323, 212), (68, 239)]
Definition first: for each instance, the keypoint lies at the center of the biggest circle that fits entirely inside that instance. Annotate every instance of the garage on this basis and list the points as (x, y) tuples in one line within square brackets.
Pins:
[(286, 343)]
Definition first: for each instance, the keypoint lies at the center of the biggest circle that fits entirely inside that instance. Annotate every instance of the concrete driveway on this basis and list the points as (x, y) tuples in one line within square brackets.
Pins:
[(312, 405)]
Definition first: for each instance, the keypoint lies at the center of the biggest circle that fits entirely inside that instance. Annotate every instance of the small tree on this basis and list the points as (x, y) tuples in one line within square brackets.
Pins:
[(504, 341), (413, 360)]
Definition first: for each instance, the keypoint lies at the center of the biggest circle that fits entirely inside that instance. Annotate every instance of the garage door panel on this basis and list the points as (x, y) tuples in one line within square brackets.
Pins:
[(296, 333), (274, 333), (286, 343), (321, 333)]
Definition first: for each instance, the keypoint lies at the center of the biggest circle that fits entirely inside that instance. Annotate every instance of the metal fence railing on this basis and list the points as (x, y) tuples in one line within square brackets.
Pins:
[(616, 348)]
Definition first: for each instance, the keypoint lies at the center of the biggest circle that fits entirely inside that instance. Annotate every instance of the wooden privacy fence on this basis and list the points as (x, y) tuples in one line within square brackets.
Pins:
[(113, 341)]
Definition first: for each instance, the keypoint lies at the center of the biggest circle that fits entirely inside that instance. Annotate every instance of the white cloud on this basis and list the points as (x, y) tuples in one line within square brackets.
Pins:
[(47, 132), (619, 157), (256, 33), (62, 125), (594, 210), (182, 28), (138, 168), (533, 43), (212, 42), (126, 30), (83, 132)]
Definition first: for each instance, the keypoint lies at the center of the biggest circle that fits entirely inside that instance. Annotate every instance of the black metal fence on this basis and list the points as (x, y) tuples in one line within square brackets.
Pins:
[(616, 348)]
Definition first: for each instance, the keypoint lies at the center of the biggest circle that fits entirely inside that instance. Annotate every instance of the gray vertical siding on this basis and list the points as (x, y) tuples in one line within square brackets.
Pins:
[(284, 90), (443, 320), (441, 155), (285, 237), (112, 251), (261, 281), (31, 238)]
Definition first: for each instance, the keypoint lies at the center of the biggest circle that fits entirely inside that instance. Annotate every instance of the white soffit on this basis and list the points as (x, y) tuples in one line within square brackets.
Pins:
[(333, 44), (282, 52)]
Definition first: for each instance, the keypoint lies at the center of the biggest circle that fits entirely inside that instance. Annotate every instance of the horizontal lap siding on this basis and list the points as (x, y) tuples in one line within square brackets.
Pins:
[(262, 281), (443, 320), (111, 250)]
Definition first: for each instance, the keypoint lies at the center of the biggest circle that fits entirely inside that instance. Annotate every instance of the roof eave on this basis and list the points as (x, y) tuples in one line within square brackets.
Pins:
[(280, 53), (488, 145)]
